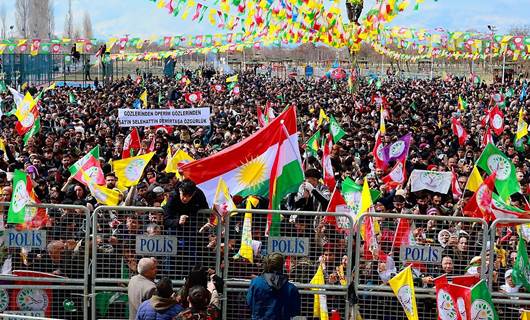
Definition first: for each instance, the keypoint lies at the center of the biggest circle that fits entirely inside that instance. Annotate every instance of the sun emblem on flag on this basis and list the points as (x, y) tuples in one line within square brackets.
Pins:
[(252, 173)]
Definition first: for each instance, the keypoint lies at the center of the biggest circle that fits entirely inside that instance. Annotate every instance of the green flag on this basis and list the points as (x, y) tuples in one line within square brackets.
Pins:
[(71, 98), (378, 84), (351, 192), (481, 303), (312, 144), (413, 105), (3, 87), (33, 131), (336, 131), (509, 93), (521, 268), (518, 144), (492, 159), (22, 191), (231, 85), (178, 76), (160, 98)]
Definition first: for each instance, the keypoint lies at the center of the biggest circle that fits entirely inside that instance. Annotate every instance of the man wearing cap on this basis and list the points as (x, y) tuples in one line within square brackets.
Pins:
[(271, 296), (312, 195)]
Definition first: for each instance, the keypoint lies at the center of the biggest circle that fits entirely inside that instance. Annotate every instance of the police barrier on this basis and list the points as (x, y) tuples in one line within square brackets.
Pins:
[(123, 235), (307, 239), (504, 238), (44, 270), (433, 245)]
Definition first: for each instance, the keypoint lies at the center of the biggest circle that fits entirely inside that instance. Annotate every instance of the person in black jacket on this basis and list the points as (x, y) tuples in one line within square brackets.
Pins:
[(182, 217)]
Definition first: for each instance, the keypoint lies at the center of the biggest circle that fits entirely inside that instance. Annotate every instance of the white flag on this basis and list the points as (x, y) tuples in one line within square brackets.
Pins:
[(430, 180)]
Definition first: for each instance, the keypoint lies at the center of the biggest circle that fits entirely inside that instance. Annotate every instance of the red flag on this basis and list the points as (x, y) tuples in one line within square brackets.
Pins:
[(194, 97), (218, 88), (467, 281), (403, 233), (152, 145), (479, 206), (132, 141), (396, 176), (455, 187), (338, 204), (452, 301), (261, 118), (378, 153), (459, 131), (496, 119), (487, 137), (485, 119), (329, 176)]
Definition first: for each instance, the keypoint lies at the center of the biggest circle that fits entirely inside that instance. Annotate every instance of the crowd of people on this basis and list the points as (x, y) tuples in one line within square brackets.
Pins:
[(70, 128)]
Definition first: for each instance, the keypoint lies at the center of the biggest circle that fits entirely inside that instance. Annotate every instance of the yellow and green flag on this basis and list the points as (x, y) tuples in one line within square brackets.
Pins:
[(403, 288)]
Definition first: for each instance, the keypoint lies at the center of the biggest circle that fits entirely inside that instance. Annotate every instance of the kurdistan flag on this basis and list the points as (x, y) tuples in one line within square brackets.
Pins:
[(247, 166), (493, 160)]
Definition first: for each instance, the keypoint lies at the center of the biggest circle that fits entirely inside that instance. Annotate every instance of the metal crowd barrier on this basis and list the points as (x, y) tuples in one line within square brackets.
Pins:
[(44, 271), (297, 228), (429, 243), (79, 262), (507, 304), (117, 248)]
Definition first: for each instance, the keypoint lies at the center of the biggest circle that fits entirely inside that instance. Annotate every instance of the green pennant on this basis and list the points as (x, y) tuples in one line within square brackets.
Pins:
[(492, 159), (336, 131), (71, 98), (312, 144), (521, 268)]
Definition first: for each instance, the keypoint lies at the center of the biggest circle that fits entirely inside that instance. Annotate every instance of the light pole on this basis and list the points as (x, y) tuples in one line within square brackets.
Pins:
[(492, 29)]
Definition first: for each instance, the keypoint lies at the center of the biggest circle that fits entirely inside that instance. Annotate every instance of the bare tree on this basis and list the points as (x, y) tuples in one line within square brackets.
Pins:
[(39, 19), (522, 30), (3, 21), (87, 26), (22, 8), (69, 22), (77, 32), (51, 15)]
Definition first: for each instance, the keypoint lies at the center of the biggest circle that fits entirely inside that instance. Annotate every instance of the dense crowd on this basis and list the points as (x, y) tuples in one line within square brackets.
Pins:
[(70, 128)]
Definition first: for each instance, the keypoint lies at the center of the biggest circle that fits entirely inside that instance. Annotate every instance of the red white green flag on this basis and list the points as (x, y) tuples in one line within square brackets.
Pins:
[(479, 206), (131, 142), (246, 167), (90, 166)]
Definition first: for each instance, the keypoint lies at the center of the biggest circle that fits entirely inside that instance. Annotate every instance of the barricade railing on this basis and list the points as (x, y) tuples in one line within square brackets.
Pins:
[(44, 269), (503, 260), (433, 245), (305, 239), (124, 235)]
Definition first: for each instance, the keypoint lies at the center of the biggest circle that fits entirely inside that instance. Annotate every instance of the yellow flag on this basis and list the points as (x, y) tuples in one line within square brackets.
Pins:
[(3, 148), (320, 305), (143, 98), (51, 87), (522, 126), (222, 200), (246, 250), (130, 170), (232, 78), (525, 315), (474, 181), (382, 127), (403, 288), (366, 199), (24, 108), (102, 194), (322, 116), (179, 157)]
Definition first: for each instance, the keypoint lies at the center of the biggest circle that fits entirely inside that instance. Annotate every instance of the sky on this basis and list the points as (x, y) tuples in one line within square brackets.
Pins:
[(115, 18)]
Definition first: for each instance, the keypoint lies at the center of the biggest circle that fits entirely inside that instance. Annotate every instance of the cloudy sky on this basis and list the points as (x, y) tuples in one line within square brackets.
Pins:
[(142, 17)]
